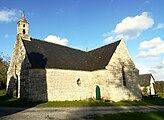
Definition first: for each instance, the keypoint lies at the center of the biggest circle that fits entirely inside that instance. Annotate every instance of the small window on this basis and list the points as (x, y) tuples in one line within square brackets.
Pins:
[(24, 31), (23, 25), (123, 76), (79, 82)]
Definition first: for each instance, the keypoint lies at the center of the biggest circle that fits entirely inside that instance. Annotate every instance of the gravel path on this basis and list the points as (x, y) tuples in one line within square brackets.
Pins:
[(68, 113)]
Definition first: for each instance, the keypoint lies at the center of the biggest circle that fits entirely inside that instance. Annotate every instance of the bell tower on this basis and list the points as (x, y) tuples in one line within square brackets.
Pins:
[(22, 28)]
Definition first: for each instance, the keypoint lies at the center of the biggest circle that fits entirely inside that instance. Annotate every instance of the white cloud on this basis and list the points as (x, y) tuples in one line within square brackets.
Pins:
[(106, 34), (9, 15), (57, 40), (6, 36), (159, 26), (150, 44), (131, 27), (147, 2), (142, 68), (109, 39), (158, 71), (151, 48), (113, 38)]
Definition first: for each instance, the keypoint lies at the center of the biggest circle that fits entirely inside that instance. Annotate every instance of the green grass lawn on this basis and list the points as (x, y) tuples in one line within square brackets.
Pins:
[(14, 102), (160, 95), (133, 116)]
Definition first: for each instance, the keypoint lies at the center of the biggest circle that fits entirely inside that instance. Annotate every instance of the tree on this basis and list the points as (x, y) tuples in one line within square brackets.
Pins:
[(4, 63), (159, 86), (145, 91)]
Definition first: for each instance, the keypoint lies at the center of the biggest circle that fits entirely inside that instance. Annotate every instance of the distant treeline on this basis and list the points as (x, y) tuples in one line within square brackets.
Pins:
[(4, 63), (159, 86)]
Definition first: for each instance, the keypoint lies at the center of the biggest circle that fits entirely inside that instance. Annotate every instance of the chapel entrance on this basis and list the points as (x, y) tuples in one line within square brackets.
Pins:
[(98, 93)]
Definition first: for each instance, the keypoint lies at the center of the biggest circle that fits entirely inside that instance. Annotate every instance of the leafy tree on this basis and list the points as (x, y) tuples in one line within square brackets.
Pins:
[(145, 91), (4, 63), (159, 86)]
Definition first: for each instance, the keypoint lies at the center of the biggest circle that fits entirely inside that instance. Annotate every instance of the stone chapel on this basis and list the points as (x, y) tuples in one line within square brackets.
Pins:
[(44, 71)]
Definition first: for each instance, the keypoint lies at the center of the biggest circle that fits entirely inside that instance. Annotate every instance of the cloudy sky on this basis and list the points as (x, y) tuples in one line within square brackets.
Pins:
[(88, 24)]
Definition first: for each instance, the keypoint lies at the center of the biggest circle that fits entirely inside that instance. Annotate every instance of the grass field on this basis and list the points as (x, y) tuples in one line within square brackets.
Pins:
[(14, 102), (161, 95), (133, 116)]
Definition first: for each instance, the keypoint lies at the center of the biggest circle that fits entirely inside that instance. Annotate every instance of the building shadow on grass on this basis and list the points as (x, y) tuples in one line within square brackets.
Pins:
[(10, 105)]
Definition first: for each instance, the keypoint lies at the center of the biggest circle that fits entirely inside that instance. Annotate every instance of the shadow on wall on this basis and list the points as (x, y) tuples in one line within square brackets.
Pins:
[(35, 84), (13, 87)]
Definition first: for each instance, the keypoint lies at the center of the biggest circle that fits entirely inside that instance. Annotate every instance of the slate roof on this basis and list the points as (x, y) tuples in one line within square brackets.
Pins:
[(145, 79), (44, 54)]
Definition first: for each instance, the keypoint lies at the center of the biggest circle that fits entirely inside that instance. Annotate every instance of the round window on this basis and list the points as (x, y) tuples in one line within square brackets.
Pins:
[(78, 82)]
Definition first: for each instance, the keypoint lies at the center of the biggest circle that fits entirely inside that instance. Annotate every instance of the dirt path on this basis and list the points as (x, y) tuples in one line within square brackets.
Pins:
[(68, 113)]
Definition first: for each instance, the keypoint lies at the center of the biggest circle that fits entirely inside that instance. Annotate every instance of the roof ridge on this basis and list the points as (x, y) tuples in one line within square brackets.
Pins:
[(105, 45), (146, 74), (58, 44), (76, 48)]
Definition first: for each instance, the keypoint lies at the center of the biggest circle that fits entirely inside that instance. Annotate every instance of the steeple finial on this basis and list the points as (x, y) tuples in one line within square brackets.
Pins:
[(22, 14)]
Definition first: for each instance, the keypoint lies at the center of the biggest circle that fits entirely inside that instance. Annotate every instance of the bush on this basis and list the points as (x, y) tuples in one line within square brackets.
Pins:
[(2, 85), (145, 91)]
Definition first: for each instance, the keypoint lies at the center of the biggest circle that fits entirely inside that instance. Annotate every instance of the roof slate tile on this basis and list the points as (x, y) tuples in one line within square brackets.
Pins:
[(44, 54)]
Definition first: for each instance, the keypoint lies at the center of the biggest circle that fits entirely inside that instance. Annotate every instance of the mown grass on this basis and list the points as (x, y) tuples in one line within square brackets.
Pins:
[(147, 102), (160, 95), (133, 116), (14, 102)]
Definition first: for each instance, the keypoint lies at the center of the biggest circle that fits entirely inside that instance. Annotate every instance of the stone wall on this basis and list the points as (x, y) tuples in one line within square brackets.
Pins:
[(119, 91), (15, 67), (60, 85)]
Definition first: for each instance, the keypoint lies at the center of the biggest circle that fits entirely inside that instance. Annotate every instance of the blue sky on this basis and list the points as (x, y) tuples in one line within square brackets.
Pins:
[(88, 24)]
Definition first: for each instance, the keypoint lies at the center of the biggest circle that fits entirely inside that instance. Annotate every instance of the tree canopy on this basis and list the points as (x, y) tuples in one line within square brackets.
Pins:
[(4, 63), (160, 86)]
